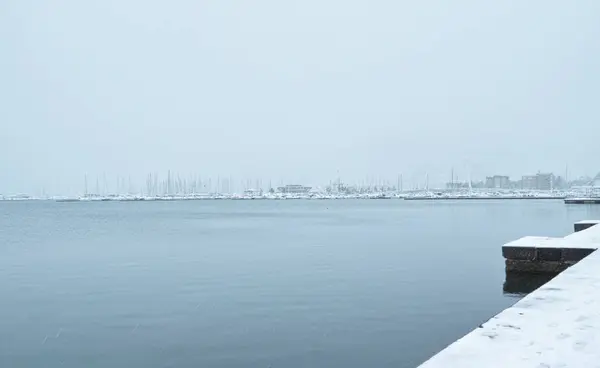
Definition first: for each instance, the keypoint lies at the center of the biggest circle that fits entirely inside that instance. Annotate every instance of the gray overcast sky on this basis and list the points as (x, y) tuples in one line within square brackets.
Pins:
[(296, 90)]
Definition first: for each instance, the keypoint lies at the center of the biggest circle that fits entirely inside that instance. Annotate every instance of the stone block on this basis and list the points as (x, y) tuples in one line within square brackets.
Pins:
[(519, 253), (549, 254), (583, 225), (526, 266), (575, 254)]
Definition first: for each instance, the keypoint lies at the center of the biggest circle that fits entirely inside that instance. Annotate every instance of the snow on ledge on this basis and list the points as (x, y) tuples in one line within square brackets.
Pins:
[(557, 325), (538, 242)]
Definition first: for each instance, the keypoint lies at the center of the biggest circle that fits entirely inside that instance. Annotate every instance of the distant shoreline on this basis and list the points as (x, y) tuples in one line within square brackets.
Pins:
[(480, 198), (319, 198)]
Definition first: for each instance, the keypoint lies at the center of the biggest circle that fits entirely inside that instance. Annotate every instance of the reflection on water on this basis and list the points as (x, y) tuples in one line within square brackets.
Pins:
[(521, 284)]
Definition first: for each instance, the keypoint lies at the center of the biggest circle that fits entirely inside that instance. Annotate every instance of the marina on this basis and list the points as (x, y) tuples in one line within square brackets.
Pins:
[(176, 187), (305, 193)]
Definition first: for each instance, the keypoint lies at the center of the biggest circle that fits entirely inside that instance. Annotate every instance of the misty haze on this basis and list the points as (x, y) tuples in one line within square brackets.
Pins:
[(296, 183), (295, 92)]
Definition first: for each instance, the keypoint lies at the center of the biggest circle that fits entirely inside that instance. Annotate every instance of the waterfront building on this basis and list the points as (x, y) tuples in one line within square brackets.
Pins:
[(294, 189)]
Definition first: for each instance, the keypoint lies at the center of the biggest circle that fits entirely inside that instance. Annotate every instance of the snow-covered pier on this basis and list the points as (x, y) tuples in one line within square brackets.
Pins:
[(535, 254), (557, 325)]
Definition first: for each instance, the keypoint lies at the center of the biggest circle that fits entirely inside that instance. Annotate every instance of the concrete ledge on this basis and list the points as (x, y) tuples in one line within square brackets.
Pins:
[(535, 254), (575, 254), (585, 224), (519, 253), (549, 254), (556, 325)]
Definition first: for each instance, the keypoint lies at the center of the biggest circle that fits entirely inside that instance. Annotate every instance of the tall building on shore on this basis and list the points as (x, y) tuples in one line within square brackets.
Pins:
[(497, 182), (539, 181), (545, 181), (529, 182)]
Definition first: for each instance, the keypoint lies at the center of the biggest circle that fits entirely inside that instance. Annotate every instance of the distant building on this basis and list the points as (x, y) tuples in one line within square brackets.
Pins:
[(294, 189), (497, 182), (529, 182), (539, 181), (545, 181)]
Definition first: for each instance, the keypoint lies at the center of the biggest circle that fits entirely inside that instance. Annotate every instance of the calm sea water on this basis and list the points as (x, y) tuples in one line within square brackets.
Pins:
[(254, 283)]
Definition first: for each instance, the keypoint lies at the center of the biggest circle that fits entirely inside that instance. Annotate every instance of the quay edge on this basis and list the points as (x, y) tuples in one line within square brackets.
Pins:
[(556, 325)]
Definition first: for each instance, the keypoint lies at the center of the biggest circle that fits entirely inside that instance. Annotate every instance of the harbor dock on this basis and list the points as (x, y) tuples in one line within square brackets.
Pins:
[(478, 198), (556, 325), (586, 200)]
